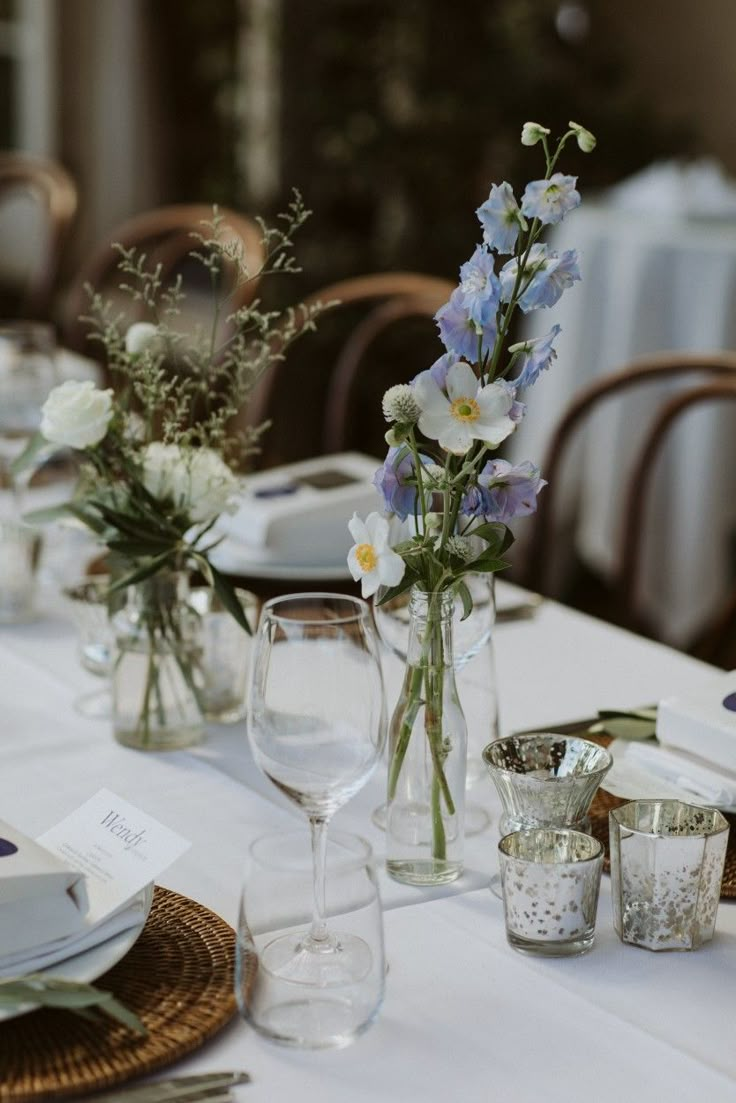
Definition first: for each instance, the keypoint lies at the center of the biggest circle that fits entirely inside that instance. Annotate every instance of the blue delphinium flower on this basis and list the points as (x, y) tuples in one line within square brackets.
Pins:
[(501, 219), (536, 356), (459, 333), (440, 368), (479, 285), (550, 200), (546, 276), (504, 491), (399, 496)]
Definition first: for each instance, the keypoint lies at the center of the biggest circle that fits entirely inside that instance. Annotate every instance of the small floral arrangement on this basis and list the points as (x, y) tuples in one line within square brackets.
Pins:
[(459, 499), (158, 451), (456, 498)]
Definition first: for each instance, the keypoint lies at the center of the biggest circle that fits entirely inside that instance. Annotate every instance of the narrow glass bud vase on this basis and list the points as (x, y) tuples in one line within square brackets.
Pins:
[(427, 753), (156, 675)]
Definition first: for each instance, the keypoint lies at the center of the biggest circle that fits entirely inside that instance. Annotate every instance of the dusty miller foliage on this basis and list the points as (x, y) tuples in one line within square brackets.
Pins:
[(188, 386)]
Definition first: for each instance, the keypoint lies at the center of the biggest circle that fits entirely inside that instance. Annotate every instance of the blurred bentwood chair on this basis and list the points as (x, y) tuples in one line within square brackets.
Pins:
[(53, 194), (350, 352), (166, 236), (708, 378)]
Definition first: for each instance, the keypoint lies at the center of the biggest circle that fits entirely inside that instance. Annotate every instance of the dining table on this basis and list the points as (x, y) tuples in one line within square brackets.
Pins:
[(465, 1016)]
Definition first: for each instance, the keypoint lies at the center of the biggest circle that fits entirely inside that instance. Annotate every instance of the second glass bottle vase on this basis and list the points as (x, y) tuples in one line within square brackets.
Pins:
[(427, 753)]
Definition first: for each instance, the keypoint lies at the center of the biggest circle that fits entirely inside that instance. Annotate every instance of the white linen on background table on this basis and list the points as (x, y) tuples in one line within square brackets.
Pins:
[(650, 283), (464, 1015)]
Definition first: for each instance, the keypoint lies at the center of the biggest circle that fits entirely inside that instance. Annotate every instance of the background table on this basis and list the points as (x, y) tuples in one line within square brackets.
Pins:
[(650, 283), (464, 1015)]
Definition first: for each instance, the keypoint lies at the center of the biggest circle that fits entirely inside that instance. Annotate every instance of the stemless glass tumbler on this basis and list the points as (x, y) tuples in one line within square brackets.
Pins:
[(667, 862), (295, 1008), (551, 878)]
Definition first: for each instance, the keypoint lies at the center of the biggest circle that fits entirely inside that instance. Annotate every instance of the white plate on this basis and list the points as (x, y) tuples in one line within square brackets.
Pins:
[(237, 559), (92, 963)]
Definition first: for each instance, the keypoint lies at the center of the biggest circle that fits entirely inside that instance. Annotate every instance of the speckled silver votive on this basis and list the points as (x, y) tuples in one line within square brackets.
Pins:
[(550, 879), (545, 780), (667, 863)]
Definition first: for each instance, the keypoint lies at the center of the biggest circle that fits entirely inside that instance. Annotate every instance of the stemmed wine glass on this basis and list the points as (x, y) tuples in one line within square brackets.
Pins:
[(27, 374), (317, 725)]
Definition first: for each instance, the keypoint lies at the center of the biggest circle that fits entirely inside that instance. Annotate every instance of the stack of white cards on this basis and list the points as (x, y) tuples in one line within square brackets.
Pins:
[(79, 884)]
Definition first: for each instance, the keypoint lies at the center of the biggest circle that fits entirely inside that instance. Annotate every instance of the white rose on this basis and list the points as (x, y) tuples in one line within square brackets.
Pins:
[(76, 414), (198, 482), (139, 337)]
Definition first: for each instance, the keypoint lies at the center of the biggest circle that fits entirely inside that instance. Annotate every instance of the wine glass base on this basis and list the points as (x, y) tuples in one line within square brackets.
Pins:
[(96, 705), (338, 960), (315, 1022)]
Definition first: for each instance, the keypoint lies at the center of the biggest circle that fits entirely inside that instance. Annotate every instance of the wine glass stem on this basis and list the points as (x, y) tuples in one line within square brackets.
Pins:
[(318, 826)]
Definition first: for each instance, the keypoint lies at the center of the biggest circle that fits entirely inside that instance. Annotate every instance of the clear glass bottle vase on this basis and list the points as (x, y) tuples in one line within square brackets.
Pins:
[(156, 675), (427, 753)]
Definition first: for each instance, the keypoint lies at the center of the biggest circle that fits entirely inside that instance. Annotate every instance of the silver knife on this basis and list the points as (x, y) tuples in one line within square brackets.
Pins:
[(212, 1086)]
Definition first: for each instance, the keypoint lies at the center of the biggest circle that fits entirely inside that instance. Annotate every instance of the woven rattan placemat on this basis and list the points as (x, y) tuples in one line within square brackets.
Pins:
[(178, 978)]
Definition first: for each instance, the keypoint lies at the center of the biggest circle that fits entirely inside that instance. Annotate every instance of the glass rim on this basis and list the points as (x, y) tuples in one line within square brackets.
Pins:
[(565, 832), (719, 821), (361, 607), (606, 764), (358, 851)]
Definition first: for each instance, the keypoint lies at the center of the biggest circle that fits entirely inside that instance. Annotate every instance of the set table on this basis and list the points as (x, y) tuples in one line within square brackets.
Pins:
[(464, 1016)]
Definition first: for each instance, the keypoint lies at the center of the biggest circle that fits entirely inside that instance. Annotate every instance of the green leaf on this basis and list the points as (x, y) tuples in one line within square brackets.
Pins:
[(410, 577), (68, 995), (26, 459), (465, 596), (488, 562), (45, 516), (141, 573), (226, 593)]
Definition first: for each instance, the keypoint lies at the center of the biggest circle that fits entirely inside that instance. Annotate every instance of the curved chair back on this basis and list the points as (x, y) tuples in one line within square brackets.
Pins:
[(712, 377), (54, 193), (165, 236)]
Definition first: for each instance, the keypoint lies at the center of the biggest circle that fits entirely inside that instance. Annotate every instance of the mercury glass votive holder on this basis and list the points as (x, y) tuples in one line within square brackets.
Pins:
[(545, 780), (667, 862), (550, 879)]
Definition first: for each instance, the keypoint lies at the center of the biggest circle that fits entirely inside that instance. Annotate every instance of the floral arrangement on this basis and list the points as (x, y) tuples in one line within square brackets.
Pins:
[(440, 475), (467, 403), (158, 450)]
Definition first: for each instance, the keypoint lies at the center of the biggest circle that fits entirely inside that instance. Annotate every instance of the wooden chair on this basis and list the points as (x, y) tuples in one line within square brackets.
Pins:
[(165, 236), (710, 377), (345, 367), (54, 193)]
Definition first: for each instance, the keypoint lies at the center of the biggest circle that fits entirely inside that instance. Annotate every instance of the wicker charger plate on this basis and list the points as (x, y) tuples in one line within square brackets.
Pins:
[(178, 978)]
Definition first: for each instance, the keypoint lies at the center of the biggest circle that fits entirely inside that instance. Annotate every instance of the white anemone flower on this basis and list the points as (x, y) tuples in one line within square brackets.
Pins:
[(371, 560), (468, 412)]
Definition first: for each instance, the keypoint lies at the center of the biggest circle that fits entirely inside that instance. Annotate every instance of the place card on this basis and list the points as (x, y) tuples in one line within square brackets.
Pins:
[(117, 847)]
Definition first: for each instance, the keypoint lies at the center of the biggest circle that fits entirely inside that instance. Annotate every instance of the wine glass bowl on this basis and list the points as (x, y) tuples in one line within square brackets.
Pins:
[(27, 374), (317, 725)]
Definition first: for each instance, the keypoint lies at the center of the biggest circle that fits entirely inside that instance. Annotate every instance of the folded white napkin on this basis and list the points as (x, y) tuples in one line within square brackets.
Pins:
[(299, 513), (703, 781), (702, 722), (695, 189)]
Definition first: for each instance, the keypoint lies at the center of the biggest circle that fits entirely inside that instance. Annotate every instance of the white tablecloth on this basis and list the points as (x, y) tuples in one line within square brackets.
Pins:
[(464, 1016), (649, 284)]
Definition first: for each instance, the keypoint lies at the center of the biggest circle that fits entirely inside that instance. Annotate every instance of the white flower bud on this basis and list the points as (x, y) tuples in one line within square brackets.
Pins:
[(433, 521), (436, 473), (586, 141), (461, 547), (400, 404), (200, 483), (140, 337), (76, 414), (531, 133), (396, 435)]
